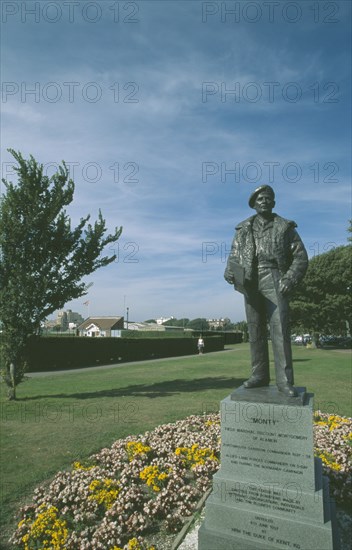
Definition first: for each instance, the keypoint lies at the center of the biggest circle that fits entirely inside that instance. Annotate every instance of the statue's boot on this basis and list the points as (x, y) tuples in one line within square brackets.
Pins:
[(288, 390), (255, 382)]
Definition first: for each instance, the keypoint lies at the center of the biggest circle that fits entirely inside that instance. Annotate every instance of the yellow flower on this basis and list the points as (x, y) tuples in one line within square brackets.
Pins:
[(154, 477), (78, 466), (195, 456), (133, 544), (328, 460), (212, 423), (335, 421), (22, 522), (47, 530), (135, 448), (104, 491)]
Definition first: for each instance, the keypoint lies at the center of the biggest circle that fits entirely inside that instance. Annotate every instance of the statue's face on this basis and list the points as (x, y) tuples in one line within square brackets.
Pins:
[(264, 203)]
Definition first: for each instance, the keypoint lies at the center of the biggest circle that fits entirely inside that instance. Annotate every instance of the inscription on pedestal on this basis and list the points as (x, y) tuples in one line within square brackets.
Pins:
[(269, 492), (274, 531), (265, 530), (260, 439), (287, 499)]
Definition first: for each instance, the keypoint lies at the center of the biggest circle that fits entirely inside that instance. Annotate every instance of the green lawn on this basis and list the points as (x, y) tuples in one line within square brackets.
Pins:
[(60, 418)]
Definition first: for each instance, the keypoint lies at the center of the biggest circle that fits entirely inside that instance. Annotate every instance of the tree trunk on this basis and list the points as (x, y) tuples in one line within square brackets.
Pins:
[(11, 392), (315, 340)]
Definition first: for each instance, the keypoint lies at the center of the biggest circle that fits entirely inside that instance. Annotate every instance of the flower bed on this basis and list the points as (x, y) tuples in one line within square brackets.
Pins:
[(127, 494), (333, 444)]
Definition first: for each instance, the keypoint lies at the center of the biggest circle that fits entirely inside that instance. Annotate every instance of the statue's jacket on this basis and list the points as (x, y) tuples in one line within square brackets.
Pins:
[(286, 248)]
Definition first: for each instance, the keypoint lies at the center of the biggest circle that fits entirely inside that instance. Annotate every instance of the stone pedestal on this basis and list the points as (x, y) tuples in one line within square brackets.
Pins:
[(269, 492)]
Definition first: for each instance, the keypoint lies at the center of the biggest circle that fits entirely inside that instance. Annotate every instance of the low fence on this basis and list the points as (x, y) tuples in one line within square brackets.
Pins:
[(51, 353)]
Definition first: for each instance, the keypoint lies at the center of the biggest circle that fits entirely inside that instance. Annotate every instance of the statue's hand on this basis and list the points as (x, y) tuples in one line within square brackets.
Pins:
[(229, 277), (285, 286)]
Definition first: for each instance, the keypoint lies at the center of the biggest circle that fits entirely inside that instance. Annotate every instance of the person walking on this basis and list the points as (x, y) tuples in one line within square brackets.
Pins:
[(200, 345)]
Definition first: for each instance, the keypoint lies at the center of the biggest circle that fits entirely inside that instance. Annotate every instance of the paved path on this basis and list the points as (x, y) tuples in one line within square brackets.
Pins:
[(117, 365)]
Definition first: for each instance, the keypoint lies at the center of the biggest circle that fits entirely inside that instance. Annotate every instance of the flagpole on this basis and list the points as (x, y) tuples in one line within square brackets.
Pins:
[(87, 304)]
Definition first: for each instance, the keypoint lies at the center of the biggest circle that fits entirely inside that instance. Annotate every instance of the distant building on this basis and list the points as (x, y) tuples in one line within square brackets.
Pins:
[(98, 327), (49, 323), (68, 319), (163, 320), (155, 326), (217, 323), (132, 325)]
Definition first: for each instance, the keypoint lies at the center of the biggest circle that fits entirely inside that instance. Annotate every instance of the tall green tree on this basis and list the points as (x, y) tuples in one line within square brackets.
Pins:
[(200, 323), (227, 324), (42, 259), (243, 327), (349, 229), (322, 303)]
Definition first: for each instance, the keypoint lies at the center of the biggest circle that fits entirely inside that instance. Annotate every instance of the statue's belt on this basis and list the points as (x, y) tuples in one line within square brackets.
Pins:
[(268, 265)]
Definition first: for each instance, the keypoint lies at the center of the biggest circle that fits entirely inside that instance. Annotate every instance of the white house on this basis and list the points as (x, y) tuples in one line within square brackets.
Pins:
[(101, 326)]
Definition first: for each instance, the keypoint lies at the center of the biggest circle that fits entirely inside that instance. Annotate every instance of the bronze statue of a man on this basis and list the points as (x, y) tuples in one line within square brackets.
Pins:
[(267, 260)]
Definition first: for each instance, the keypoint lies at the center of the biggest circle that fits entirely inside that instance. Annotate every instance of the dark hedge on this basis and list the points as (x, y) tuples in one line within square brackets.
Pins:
[(52, 353)]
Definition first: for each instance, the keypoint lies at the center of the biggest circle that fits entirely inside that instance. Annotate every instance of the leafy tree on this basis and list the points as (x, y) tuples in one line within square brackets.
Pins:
[(349, 229), (242, 326), (322, 303), (199, 323), (227, 325), (42, 260)]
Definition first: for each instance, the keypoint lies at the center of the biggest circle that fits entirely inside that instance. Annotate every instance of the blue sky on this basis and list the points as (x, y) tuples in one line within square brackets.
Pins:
[(169, 114)]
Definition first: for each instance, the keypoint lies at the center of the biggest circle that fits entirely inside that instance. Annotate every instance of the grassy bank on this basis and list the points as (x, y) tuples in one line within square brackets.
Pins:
[(65, 417)]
